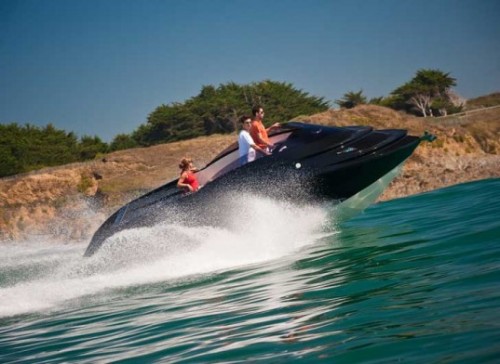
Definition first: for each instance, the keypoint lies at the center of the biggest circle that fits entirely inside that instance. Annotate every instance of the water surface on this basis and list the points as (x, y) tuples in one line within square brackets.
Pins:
[(414, 280)]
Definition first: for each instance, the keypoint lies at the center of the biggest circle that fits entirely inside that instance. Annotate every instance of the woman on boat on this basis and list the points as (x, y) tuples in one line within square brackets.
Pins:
[(188, 180)]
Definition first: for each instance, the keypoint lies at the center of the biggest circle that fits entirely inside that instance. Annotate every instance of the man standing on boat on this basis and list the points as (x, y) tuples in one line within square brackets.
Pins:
[(258, 131)]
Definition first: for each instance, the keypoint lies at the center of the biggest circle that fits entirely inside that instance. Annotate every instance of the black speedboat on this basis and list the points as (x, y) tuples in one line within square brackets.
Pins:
[(309, 163)]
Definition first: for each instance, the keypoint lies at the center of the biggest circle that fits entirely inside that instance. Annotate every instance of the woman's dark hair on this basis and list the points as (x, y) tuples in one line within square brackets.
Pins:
[(244, 117)]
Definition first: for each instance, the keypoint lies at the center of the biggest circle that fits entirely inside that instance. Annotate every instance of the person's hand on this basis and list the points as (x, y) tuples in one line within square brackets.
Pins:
[(190, 188)]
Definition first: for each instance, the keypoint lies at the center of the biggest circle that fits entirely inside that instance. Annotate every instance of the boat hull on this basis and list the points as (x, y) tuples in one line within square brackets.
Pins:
[(311, 163)]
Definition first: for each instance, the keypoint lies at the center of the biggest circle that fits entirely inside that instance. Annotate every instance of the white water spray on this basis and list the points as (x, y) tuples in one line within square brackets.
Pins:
[(38, 276)]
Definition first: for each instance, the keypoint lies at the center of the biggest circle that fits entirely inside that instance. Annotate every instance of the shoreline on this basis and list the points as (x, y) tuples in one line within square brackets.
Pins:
[(70, 202)]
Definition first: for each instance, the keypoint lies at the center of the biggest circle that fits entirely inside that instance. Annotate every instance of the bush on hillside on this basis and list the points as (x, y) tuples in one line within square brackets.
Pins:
[(217, 109), (26, 148)]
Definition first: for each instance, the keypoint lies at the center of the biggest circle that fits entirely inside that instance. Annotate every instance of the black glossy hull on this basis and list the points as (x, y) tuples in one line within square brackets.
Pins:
[(310, 162)]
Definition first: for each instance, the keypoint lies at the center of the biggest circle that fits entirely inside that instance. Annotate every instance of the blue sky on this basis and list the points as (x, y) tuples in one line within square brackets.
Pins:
[(99, 67)]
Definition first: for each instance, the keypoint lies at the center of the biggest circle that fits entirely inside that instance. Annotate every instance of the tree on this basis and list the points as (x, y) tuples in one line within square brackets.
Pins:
[(26, 148), (217, 109), (377, 101), (213, 110), (122, 141), (426, 87), (351, 99), (89, 147)]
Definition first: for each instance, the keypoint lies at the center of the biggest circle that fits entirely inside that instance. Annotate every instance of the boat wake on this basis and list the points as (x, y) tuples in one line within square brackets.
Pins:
[(42, 276)]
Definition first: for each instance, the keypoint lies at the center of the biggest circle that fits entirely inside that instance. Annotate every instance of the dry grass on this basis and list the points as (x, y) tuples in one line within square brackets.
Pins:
[(492, 99), (126, 171), (376, 116), (487, 134)]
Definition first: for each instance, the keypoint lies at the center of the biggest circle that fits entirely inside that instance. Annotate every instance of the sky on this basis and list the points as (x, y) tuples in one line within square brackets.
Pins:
[(100, 67)]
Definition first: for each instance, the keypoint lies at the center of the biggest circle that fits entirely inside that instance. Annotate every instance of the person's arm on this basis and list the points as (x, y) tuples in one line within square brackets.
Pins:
[(262, 141), (274, 126), (256, 147), (248, 139), (269, 130), (259, 138), (181, 183)]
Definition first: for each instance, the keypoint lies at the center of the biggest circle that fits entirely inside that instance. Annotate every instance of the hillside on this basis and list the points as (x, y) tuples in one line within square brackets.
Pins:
[(71, 201)]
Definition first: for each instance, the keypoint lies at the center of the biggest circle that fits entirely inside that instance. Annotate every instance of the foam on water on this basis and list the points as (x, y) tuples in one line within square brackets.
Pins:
[(40, 276)]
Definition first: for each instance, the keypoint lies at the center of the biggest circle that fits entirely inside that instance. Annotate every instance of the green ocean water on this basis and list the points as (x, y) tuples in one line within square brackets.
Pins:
[(409, 280)]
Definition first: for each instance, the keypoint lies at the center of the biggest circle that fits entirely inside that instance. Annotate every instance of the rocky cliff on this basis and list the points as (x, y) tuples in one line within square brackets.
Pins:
[(70, 202)]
